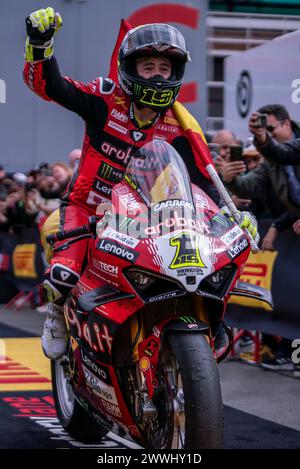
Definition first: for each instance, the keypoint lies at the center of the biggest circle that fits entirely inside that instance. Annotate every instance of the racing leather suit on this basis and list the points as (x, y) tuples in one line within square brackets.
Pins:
[(112, 136)]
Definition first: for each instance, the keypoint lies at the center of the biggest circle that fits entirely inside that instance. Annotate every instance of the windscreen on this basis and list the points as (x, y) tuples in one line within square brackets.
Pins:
[(158, 174)]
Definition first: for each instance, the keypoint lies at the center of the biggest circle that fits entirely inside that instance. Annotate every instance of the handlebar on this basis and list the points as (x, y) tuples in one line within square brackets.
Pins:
[(90, 227)]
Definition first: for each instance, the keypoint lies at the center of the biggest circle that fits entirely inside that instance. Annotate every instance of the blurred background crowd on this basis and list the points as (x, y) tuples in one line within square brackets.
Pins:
[(26, 199)]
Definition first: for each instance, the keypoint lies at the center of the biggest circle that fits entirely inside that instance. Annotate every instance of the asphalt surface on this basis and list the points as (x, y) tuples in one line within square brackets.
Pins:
[(261, 409)]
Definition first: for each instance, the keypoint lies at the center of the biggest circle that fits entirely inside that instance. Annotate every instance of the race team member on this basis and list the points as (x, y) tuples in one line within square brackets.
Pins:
[(119, 120)]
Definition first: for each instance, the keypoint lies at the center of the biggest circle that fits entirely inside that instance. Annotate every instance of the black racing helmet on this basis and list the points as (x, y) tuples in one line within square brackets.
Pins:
[(152, 39)]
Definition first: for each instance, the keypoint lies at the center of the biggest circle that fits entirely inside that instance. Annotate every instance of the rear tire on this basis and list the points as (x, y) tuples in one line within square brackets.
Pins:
[(72, 416), (198, 372)]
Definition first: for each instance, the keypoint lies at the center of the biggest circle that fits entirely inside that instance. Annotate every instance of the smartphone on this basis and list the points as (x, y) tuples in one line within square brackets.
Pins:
[(236, 153), (262, 121)]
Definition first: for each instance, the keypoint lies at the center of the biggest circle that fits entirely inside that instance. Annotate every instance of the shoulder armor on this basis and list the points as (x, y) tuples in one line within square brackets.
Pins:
[(106, 85)]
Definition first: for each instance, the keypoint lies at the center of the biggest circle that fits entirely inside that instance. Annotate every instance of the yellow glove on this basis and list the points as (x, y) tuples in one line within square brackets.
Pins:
[(41, 25), (249, 222)]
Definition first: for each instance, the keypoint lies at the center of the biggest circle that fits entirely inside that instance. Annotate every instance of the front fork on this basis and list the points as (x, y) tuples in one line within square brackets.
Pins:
[(146, 349)]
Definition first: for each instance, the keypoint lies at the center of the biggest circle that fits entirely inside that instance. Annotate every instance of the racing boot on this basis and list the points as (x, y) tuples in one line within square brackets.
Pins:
[(54, 338)]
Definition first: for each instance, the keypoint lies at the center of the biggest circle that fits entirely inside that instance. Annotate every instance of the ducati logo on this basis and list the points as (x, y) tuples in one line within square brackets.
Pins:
[(136, 135)]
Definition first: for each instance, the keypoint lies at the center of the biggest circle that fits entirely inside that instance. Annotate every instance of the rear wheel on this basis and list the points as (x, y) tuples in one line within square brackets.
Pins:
[(194, 381), (72, 416)]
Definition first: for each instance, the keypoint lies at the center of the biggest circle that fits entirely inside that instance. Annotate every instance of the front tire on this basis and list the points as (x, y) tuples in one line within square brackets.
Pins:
[(72, 416), (197, 392)]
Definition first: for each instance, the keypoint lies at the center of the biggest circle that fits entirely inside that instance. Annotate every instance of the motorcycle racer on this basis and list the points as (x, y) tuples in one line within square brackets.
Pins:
[(119, 120)]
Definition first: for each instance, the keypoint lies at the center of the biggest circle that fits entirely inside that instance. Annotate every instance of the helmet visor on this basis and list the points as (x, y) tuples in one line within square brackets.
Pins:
[(155, 38)]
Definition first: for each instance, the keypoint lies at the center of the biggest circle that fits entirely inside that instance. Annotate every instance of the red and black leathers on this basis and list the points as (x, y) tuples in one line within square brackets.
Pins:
[(112, 136)]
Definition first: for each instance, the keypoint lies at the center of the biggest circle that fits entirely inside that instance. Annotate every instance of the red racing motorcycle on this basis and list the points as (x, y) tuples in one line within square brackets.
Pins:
[(163, 261)]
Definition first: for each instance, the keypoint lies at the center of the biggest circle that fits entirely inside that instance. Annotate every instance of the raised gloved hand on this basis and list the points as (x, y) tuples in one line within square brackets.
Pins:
[(41, 26)]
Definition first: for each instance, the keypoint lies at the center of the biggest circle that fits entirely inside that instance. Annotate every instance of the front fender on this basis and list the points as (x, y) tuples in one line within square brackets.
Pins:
[(186, 324)]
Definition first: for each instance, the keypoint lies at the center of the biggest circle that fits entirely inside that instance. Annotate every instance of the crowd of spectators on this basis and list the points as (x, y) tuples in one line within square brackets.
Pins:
[(270, 190), (26, 199)]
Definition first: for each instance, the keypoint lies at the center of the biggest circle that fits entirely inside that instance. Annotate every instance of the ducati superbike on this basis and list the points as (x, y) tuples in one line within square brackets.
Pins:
[(162, 264)]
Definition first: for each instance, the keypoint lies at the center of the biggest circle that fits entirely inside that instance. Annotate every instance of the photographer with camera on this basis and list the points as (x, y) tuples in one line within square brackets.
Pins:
[(269, 178), (275, 150)]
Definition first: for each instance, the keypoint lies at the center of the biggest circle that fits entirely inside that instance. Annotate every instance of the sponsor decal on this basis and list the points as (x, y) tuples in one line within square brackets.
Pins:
[(119, 116), (23, 261), (189, 271), (129, 201), (108, 172), (192, 326), (187, 251), (165, 296), (104, 277), (177, 222), (107, 393), (169, 204), (115, 153), (118, 250), (137, 135), (171, 120), (156, 331), (131, 183), (111, 408), (236, 250), (222, 220), (151, 348), (148, 164), (120, 101), (232, 235), (201, 201), (144, 364), (107, 268), (117, 127), (166, 128), (187, 319), (95, 199), (103, 336), (120, 237), (100, 370), (102, 187), (121, 190)]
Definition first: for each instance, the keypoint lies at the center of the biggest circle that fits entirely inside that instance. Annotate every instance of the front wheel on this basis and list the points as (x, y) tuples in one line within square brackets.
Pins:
[(197, 403), (72, 416)]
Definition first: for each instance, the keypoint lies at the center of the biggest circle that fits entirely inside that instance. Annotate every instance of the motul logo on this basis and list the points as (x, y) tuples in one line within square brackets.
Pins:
[(117, 153)]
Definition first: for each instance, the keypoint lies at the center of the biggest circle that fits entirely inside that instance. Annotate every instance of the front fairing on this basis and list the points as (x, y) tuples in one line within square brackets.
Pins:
[(178, 244)]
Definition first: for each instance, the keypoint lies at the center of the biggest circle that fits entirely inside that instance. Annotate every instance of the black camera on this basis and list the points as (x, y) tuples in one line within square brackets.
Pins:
[(261, 121)]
